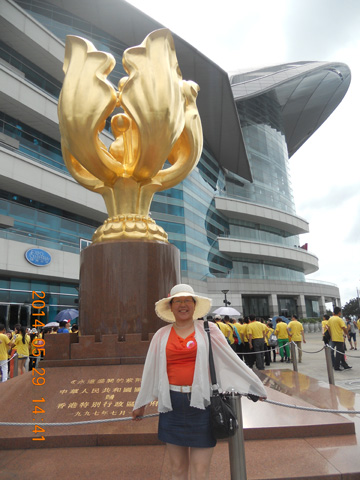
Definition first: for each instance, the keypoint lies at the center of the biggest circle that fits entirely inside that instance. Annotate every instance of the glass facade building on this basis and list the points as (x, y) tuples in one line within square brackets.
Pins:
[(262, 126), (219, 218)]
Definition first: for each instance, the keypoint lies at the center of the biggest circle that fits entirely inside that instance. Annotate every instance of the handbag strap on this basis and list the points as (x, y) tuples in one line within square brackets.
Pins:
[(211, 358)]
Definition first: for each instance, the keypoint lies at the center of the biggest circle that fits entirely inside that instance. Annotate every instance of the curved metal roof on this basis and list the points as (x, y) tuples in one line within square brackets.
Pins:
[(307, 92)]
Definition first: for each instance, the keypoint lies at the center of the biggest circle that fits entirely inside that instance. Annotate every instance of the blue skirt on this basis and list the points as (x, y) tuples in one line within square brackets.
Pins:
[(185, 426)]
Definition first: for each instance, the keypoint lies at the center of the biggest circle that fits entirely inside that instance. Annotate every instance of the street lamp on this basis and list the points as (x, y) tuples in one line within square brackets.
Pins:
[(225, 301)]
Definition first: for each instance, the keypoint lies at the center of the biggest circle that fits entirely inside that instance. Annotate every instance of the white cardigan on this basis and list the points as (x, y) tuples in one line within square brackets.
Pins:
[(231, 372)]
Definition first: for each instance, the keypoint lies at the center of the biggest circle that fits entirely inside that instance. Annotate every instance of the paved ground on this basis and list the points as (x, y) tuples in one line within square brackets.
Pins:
[(314, 364), (325, 457)]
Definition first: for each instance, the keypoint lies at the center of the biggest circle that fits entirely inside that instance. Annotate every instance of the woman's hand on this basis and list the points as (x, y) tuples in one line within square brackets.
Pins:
[(138, 413), (255, 398)]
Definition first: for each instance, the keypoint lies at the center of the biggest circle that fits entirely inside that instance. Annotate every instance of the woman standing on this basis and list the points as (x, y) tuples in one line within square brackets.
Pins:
[(176, 372), (22, 343)]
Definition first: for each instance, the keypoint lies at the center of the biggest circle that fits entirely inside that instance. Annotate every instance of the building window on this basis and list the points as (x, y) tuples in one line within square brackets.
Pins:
[(258, 306), (287, 306), (312, 308), (32, 143), (44, 225)]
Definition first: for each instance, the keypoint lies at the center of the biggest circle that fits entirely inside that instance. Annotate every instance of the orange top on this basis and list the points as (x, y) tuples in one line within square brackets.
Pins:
[(181, 355)]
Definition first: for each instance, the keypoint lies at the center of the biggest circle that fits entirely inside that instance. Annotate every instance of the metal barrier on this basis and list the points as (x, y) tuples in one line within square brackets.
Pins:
[(294, 356), (329, 365), (236, 443), (15, 367)]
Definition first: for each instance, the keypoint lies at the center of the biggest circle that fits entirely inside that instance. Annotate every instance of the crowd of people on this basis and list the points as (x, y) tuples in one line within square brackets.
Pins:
[(258, 341), (20, 343)]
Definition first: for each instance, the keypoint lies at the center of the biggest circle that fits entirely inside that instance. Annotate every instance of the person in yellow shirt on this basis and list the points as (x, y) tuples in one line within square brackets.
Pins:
[(337, 329), (245, 342), (269, 347), (283, 339), (238, 327), (4, 347), (324, 329), (228, 323), (22, 345), (296, 331), (32, 349), (75, 329), (225, 330), (256, 334)]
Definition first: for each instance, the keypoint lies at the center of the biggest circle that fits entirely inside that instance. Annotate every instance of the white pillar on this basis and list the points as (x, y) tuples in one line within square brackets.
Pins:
[(273, 305), (322, 306), (301, 306)]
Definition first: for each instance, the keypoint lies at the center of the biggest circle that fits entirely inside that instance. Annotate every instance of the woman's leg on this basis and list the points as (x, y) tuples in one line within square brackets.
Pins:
[(21, 365), (299, 346), (200, 459), (179, 461)]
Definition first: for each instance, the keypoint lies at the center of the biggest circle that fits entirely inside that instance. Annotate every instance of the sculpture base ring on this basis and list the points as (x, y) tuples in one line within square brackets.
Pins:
[(130, 227)]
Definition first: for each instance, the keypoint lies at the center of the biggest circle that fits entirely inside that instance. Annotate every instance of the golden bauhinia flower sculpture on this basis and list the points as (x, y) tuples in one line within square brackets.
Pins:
[(160, 122)]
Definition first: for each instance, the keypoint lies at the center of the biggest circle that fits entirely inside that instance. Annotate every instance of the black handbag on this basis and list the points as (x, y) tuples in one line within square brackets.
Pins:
[(223, 420)]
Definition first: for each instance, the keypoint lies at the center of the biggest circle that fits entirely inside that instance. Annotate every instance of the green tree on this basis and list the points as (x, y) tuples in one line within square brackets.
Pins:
[(352, 307)]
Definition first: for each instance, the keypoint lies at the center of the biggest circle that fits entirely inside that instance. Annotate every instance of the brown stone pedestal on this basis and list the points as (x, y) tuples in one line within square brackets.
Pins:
[(120, 283)]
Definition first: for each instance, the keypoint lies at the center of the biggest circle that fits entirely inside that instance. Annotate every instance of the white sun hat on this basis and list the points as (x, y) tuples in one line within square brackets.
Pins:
[(163, 307)]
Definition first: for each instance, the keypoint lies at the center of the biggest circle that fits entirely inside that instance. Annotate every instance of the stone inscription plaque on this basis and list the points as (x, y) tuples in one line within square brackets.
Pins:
[(106, 397), (76, 394)]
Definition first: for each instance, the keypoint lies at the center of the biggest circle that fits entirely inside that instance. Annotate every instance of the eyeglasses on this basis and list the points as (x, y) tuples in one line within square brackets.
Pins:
[(187, 301)]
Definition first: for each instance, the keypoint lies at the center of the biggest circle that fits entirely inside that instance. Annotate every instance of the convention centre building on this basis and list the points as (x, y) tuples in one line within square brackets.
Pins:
[(233, 219)]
